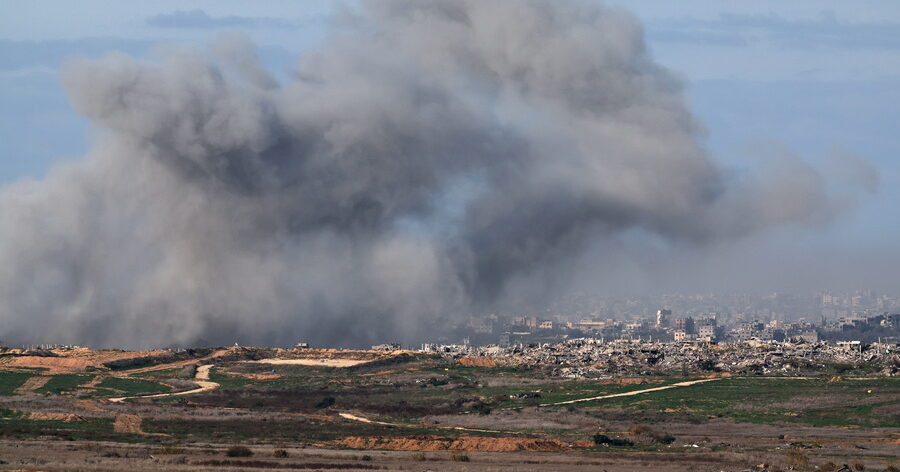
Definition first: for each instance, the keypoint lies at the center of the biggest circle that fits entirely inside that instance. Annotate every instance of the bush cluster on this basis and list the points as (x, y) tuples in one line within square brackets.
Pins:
[(238, 451)]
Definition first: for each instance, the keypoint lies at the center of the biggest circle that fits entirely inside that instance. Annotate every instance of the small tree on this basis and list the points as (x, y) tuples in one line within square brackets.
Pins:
[(238, 451), (325, 403)]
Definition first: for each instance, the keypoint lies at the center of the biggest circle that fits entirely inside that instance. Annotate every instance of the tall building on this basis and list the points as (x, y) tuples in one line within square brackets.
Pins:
[(685, 324), (662, 317)]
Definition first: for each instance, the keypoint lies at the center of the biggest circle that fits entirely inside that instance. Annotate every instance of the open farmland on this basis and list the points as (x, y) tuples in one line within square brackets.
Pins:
[(366, 410)]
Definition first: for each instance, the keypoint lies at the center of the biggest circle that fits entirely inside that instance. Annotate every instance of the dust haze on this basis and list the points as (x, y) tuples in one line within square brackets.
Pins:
[(428, 160)]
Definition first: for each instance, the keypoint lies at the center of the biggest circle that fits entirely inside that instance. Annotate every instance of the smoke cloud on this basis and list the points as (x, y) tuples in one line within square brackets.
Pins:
[(430, 159)]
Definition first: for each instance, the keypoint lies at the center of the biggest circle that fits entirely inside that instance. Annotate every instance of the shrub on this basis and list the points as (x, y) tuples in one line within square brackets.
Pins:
[(238, 451), (664, 438), (828, 467), (482, 409), (648, 432), (604, 440), (796, 459), (859, 466), (641, 429), (325, 403), (188, 371), (366, 458), (460, 458), (891, 468), (280, 453), (171, 450), (419, 456)]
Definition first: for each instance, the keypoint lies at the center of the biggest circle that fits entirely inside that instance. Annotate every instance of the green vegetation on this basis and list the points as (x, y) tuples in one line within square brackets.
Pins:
[(147, 361), (230, 382), (428, 386), (93, 429), (64, 383), (299, 430), (10, 381), (817, 402), (130, 387), (7, 413), (604, 440), (238, 451), (158, 374)]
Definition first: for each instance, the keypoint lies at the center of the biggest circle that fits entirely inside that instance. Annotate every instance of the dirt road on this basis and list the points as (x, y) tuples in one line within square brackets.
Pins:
[(633, 392), (203, 372), (201, 378), (361, 419), (688, 383)]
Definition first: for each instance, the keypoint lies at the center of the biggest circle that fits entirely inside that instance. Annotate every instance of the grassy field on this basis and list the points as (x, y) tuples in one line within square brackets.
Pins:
[(420, 386), (819, 402), (437, 401), (128, 386), (64, 383), (10, 381)]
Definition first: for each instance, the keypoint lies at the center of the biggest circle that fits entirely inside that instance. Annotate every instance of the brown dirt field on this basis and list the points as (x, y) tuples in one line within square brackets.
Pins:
[(73, 360), (257, 376), (60, 456), (31, 385), (126, 423), (462, 443), (326, 362), (627, 381), (46, 416), (477, 362), (88, 405), (54, 365)]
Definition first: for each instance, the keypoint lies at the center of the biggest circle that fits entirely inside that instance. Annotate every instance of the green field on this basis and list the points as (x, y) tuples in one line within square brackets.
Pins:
[(64, 383), (818, 402), (128, 386), (302, 405), (446, 388), (10, 381)]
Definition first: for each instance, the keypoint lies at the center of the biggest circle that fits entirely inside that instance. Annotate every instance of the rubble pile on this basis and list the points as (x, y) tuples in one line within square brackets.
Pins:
[(591, 358)]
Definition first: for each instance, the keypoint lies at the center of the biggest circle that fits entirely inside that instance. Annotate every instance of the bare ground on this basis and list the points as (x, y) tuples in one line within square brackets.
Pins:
[(31, 385)]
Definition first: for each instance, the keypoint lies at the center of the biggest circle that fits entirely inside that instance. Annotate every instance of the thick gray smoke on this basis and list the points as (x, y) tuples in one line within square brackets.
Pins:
[(430, 159)]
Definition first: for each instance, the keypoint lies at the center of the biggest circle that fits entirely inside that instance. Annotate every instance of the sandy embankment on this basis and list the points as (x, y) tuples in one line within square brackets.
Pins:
[(462, 443), (315, 362)]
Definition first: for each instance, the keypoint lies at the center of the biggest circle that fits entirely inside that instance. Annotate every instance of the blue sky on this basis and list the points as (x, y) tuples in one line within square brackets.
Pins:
[(807, 75)]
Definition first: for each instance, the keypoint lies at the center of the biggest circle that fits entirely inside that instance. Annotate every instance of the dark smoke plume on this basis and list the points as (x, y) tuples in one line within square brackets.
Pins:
[(430, 159)]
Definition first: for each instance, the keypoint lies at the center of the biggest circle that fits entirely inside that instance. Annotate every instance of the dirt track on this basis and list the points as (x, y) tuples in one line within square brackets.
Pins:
[(32, 384), (688, 383), (201, 378), (633, 392)]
